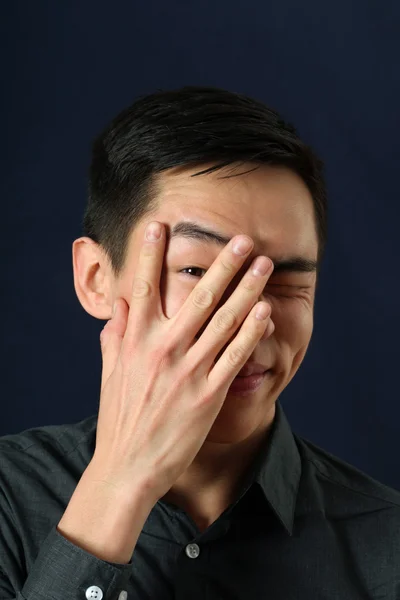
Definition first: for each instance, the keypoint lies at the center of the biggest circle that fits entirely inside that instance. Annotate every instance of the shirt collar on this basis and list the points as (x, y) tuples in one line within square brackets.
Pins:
[(277, 469)]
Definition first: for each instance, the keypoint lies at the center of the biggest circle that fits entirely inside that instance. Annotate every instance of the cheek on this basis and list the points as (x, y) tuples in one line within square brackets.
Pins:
[(173, 294), (293, 321)]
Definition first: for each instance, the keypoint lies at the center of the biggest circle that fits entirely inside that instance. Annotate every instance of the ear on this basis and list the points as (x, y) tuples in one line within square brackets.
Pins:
[(92, 278)]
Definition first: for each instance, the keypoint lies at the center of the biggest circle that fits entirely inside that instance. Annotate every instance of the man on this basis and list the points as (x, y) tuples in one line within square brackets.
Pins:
[(204, 230)]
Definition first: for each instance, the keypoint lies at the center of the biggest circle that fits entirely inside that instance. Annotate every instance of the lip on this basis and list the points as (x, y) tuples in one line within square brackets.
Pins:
[(251, 368), (244, 386)]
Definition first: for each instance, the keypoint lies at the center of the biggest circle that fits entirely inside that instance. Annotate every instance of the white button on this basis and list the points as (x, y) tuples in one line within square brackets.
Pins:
[(123, 595), (192, 550), (94, 593)]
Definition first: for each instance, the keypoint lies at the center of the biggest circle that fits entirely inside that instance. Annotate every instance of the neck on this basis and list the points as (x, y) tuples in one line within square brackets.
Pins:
[(216, 476)]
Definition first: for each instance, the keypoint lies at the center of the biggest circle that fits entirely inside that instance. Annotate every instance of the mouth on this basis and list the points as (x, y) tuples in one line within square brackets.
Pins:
[(251, 375), (248, 384)]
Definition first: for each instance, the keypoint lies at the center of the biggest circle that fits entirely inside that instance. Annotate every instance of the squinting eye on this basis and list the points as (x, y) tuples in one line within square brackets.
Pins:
[(192, 269)]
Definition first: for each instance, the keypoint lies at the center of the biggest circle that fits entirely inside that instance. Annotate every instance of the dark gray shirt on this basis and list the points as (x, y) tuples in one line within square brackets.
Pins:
[(306, 525)]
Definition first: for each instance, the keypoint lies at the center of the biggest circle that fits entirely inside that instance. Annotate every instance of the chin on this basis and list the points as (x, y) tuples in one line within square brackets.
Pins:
[(239, 420)]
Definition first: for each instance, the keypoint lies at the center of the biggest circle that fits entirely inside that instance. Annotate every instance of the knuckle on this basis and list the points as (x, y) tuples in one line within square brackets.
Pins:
[(224, 320), (156, 360), (141, 288), (162, 356), (158, 355), (203, 298), (227, 266), (250, 286), (236, 356), (204, 399)]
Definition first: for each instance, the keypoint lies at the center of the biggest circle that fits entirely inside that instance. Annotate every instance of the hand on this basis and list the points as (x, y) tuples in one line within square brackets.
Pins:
[(161, 389)]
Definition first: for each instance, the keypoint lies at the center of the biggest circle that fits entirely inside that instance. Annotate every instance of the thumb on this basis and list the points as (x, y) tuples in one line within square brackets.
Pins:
[(111, 338)]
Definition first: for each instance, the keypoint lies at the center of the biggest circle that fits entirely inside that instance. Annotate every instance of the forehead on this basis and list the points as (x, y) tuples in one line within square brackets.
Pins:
[(271, 204)]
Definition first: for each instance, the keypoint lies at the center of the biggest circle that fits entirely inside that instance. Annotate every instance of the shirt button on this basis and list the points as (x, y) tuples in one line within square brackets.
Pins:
[(94, 593), (123, 595), (192, 550)]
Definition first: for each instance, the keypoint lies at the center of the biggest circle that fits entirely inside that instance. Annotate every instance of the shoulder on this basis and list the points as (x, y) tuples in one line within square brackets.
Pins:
[(47, 448), (344, 490), (337, 472)]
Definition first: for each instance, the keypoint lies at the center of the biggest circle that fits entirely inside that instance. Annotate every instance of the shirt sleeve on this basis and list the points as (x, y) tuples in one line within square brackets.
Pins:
[(36, 561), (63, 571)]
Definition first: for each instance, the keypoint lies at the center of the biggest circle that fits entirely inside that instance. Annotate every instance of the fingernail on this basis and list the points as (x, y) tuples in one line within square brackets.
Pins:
[(153, 231), (262, 312), (114, 309), (242, 246), (261, 265)]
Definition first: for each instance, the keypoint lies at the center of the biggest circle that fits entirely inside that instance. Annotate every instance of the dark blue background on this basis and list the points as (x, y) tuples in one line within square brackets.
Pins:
[(331, 68)]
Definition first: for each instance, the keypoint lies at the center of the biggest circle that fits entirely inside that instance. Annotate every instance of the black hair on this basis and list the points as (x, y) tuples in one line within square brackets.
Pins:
[(193, 125)]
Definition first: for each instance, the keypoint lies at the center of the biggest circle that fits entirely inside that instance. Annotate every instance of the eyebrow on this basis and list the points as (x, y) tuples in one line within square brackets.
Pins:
[(194, 231)]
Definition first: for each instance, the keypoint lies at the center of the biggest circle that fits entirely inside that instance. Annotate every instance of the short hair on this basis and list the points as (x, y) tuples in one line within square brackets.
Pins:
[(193, 125)]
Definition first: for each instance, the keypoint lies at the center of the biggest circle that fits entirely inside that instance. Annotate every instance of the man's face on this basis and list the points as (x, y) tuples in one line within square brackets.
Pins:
[(273, 206)]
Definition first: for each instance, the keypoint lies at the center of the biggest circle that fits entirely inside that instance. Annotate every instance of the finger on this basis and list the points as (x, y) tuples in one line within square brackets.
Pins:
[(205, 296), (269, 329), (231, 315), (239, 350), (111, 338), (145, 300)]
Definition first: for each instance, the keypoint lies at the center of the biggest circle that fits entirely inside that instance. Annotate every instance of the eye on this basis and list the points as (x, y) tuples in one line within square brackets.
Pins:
[(192, 269)]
